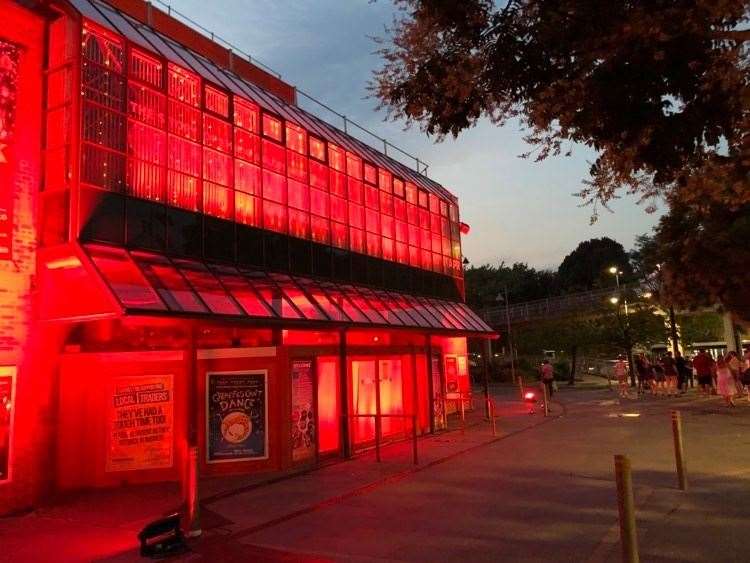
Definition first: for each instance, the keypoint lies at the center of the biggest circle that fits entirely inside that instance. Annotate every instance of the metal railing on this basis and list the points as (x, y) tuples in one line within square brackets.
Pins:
[(379, 432), (421, 166)]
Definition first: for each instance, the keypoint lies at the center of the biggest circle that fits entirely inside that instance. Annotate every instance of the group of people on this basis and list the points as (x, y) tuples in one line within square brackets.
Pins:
[(728, 375)]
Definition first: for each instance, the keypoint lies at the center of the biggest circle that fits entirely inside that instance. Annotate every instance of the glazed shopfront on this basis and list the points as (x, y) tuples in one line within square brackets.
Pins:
[(194, 260)]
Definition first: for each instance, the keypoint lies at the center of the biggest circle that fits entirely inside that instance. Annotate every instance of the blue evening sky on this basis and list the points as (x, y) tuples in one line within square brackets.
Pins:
[(518, 210)]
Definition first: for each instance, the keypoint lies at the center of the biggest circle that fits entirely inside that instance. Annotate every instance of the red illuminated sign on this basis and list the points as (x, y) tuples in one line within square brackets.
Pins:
[(8, 95)]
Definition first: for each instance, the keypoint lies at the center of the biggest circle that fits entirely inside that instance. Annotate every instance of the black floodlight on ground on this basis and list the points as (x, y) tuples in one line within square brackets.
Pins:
[(162, 537)]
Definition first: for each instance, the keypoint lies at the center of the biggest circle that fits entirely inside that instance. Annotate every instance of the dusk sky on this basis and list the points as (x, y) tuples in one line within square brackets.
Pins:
[(518, 210)]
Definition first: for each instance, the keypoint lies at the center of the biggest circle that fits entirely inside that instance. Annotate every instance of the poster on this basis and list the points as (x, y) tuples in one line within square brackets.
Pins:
[(7, 396), (303, 411), (141, 423), (438, 400), (237, 411), (9, 54)]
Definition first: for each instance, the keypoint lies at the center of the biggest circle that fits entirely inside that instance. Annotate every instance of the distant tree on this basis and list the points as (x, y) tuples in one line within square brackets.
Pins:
[(587, 266), (524, 283), (659, 89), (701, 327)]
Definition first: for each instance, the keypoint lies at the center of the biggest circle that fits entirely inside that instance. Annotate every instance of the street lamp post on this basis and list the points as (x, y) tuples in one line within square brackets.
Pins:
[(628, 344), (504, 297)]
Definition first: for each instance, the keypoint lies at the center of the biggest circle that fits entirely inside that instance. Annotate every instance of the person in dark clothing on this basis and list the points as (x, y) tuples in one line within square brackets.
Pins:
[(684, 372)]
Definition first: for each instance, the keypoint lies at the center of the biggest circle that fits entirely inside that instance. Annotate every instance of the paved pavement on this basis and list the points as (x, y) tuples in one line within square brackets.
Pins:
[(541, 490)]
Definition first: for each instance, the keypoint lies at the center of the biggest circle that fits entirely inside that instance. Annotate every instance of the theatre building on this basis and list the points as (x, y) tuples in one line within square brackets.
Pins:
[(190, 259)]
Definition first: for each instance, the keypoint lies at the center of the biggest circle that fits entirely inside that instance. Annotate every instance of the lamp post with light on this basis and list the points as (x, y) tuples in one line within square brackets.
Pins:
[(615, 300)]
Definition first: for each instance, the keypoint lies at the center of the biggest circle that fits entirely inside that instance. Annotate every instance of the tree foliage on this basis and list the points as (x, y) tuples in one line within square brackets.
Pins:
[(658, 88), (587, 266), (485, 283)]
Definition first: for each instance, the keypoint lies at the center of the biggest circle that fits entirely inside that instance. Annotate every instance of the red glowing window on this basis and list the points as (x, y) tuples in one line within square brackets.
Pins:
[(338, 183), (443, 208), (217, 167), (412, 214), (371, 174), (218, 200), (414, 235), (402, 252), (274, 187), (183, 85), (102, 85), (293, 292), (434, 223), (338, 208), (298, 195), (246, 209), (319, 202), (145, 180), (274, 156), (182, 191), (424, 218), (385, 180), (373, 244), (339, 235), (372, 197), (381, 307), (103, 127), (426, 259), (355, 190), (386, 226), (356, 215), (242, 292), (247, 177), (372, 221), (362, 304), (446, 246), (398, 187), (425, 239), (411, 193), (353, 165), (216, 101), (272, 127), (317, 149), (445, 228), (401, 231), (296, 138), (169, 283), (320, 228), (146, 143), (296, 166), (388, 250), (147, 105), (415, 256), (247, 146), (453, 213), (336, 158), (124, 278), (386, 203), (434, 203), (103, 47), (217, 134), (145, 68), (399, 209), (423, 198), (184, 120), (356, 240), (184, 156), (337, 297), (208, 288), (274, 217), (246, 115), (331, 309), (273, 295), (299, 223), (319, 174)]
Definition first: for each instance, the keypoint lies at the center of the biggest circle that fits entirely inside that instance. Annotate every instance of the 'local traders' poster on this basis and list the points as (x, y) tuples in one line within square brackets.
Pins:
[(6, 419), (303, 411), (141, 425), (237, 413)]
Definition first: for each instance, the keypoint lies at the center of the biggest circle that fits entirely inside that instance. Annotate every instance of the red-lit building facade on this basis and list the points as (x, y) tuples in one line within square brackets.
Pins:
[(188, 258)]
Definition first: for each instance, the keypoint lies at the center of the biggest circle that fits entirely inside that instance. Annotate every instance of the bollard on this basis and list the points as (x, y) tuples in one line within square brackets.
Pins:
[(492, 418), (520, 387), (545, 392), (377, 438), (193, 528), (679, 454), (414, 440), (463, 417), (626, 509)]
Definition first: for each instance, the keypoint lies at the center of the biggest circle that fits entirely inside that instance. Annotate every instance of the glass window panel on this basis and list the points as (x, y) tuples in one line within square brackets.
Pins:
[(475, 319), (453, 213), (182, 190), (246, 209), (296, 138), (414, 235), (467, 322), (372, 221), (299, 223), (243, 292), (217, 134), (371, 174), (274, 187), (296, 166), (274, 156), (319, 174), (387, 248), (145, 180), (399, 209), (147, 105), (412, 214), (169, 283), (422, 311), (217, 167), (401, 231), (355, 190), (339, 235), (415, 257), (356, 240), (272, 295), (411, 193), (398, 187), (184, 156), (440, 313), (295, 294), (317, 149), (272, 127), (103, 47), (373, 244), (124, 279), (216, 101), (218, 200), (331, 309), (423, 198), (353, 165), (338, 183), (183, 85), (386, 203), (337, 296), (184, 120), (246, 145), (338, 208), (247, 177), (372, 197), (410, 310), (434, 203), (383, 310), (356, 216), (246, 115), (274, 217), (362, 304), (299, 195), (319, 203), (386, 226), (208, 287), (402, 252), (103, 127), (435, 223), (336, 158), (320, 229), (393, 304), (385, 180), (145, 68)]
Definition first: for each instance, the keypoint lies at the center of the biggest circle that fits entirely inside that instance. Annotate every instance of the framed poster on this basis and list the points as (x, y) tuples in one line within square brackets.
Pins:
[(7, 398), (140, 423), (237, 416), (9, 60), (304, 415)]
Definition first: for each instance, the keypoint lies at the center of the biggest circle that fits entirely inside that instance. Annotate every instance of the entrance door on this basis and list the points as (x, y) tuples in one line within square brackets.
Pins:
[(329, 410), (377, 388)]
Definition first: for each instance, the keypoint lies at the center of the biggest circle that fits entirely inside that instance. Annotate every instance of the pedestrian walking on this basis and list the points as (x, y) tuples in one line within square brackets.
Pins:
[(670, 373), (704, 367), (735, 366), (725, 381), (660, 381), (642, 370), (621, 373), (746, 372), (684, 372), (547, 373)]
